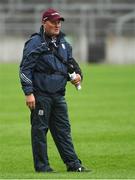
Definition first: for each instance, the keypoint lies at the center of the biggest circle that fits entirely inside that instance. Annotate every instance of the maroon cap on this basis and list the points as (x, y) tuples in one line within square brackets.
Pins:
[(51, 14)]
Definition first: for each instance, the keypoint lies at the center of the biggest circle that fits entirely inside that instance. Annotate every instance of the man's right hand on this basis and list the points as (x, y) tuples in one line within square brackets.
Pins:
[(30, 101)]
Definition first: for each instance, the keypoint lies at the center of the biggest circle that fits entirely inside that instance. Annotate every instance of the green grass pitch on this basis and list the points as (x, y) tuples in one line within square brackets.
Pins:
[(102, 116)]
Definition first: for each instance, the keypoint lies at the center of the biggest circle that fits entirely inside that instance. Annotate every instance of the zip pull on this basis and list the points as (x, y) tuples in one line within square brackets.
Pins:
[(54, 42)]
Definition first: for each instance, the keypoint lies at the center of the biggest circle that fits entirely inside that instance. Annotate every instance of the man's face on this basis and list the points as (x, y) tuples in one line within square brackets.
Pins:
[(52, 28)]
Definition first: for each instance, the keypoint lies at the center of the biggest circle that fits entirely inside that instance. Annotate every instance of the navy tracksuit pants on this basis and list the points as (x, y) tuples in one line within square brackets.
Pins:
[(51, 113)]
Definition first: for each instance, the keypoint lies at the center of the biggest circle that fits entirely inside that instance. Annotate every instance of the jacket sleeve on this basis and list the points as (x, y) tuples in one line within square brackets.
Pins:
[(74, 62), (30, 54)]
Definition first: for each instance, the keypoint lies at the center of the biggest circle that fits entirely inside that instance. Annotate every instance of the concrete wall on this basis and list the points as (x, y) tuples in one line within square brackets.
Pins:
[(11, 49), (120, 50)]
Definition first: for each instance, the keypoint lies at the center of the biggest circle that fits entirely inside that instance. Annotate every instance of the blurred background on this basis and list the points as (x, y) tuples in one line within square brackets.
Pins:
[(101, 31)]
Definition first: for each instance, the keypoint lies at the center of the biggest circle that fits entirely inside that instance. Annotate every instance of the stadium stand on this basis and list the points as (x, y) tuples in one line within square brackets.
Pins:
[(88, 22)]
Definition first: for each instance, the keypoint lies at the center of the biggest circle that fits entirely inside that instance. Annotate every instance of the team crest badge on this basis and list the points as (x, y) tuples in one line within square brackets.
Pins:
[(40, 112), (63, 46)]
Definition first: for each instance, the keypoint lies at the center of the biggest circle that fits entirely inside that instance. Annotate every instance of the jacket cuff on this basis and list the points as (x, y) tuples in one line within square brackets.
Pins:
[(27, 90), (27, 94)]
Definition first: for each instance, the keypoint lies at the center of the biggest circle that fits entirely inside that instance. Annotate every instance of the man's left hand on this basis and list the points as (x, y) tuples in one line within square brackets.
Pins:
[(77, 80)]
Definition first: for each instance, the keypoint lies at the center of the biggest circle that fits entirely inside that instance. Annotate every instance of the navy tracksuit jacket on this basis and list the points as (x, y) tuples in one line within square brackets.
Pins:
[(44, 75), (38, 59)]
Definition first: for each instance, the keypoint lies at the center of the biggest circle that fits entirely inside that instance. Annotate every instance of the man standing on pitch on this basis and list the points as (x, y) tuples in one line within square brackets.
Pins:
[(43, 77)]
